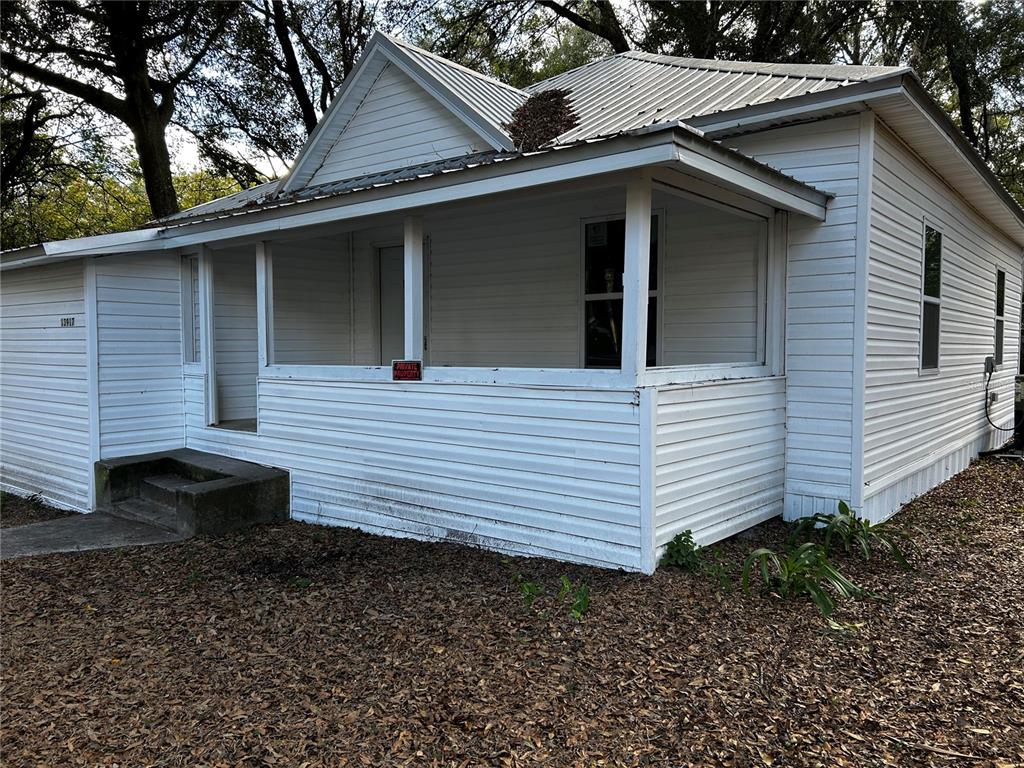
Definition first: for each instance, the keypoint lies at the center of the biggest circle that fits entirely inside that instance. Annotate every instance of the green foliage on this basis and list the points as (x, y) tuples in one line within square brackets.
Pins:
[(681, 552), (529, 591), (803, 570), (580, 601), (853, 533)]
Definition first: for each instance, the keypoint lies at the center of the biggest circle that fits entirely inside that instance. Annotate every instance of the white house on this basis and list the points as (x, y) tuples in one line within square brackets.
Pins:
[(733, 290)]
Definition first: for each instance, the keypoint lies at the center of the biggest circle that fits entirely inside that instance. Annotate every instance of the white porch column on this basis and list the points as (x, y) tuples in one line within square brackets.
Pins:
[(208, 351), (413, 288), (635, 277), (264, 304)]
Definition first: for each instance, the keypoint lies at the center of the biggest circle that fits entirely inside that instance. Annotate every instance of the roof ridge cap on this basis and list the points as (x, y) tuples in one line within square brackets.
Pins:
[(454, 64), (750, 67)]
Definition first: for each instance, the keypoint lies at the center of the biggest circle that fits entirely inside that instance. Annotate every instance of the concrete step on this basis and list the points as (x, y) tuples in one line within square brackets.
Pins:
[(163, 489), (148, 512)]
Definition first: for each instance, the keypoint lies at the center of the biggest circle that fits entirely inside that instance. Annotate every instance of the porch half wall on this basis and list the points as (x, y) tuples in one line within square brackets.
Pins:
[(546, 471)]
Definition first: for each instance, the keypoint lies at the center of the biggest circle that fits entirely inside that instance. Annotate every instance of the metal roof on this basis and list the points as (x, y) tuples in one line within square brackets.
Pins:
[(495, 100), (228, 202), (634, 89)]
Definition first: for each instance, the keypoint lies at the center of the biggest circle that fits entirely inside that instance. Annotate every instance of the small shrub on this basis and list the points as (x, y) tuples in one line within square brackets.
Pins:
[(529, 591), (681, 552), (852, 532), (580, 602), (540, 119), (801, 570)]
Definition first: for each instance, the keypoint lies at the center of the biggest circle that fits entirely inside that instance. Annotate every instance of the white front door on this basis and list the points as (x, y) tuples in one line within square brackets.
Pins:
[(392, 304)]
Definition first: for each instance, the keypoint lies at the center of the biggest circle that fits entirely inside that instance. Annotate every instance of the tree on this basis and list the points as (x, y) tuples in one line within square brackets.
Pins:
[(127, 60)]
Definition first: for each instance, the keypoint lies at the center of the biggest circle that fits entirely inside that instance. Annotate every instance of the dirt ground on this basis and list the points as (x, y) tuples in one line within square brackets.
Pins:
[(18, 511), (301, 645)]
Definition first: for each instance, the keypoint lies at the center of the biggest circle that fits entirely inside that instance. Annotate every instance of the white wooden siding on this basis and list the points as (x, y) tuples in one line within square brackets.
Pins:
[(313, 321), (235, 333), (44, 403), (820, 309), (539, 471), (138, 314), (398, 124), (719, 457), (917, 425), (505, 280), (710, 292)]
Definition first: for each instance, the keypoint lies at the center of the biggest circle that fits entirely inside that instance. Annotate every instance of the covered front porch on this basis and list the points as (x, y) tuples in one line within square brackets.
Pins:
[(591, 350)]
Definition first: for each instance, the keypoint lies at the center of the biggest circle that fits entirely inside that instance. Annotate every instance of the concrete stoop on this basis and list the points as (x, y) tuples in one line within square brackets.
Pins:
[(191, 492)]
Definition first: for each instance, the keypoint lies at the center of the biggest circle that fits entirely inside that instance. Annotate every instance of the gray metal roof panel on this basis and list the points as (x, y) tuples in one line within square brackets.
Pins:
[(633, 89)]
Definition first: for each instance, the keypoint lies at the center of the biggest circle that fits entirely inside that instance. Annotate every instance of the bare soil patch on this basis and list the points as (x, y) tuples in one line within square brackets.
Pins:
[(302, 645), (15, 510)]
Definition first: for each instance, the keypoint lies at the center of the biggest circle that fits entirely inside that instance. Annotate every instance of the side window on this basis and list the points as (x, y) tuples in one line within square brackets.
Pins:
[(604, 261), (190, 309), (1000, 314), (931, 299)]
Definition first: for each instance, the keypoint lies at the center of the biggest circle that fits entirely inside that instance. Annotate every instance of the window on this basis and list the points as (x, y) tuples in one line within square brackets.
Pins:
[(604, 262), (190, 309), (931, 299), (1000, 313)]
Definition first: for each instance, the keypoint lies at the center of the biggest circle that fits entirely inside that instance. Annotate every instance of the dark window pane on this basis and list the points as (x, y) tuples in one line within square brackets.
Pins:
[(652, 331), (605, 256), (999, 342), (930, 336), (932, 262), (604, 333), (1000, 293)]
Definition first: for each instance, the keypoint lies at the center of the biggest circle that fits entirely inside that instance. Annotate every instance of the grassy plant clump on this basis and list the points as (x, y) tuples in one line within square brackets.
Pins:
[(803, 570), (853, 533)]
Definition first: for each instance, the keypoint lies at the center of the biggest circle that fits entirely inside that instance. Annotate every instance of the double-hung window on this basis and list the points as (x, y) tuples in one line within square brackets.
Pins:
[(1000, 314), (931, 299), (604, 260)]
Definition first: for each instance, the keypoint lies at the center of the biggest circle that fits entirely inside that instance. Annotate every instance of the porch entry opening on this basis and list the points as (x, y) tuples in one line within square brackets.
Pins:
[(236, 342), (391, 274)]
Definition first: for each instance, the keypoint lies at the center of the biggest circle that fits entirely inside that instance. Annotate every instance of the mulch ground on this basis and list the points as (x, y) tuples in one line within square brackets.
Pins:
[(15, 510), (301, 645)]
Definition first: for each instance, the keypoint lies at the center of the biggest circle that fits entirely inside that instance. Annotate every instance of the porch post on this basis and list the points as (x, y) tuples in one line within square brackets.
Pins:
[(264, 304), (413, 288), (208, 351), (635, 277)]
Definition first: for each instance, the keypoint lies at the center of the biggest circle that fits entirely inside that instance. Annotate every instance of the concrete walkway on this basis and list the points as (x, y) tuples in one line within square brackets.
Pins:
[(79, 533)]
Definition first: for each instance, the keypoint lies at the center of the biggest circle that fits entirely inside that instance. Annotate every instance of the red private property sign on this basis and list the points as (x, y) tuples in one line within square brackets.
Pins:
[(407, 370)]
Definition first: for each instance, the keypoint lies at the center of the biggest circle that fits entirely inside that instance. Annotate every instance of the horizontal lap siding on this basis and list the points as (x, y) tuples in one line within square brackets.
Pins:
[(398, 124), (531, 471), (138, 312), (235, 333), (719, 458), (312, 303), (505, 281), (820, 308), (914, 421), (710, 293), (44, 405)]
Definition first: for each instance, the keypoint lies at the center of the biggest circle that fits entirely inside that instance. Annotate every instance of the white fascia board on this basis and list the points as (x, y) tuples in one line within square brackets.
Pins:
[(740, 173), (452, 101), (96, 245)]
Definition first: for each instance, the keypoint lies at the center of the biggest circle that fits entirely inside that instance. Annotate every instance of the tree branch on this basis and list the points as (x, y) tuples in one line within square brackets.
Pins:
[(100, 99), (608, 27)]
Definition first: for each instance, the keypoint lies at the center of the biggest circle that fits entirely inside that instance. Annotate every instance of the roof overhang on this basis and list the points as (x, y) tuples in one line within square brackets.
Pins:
[(904, 105), (670, 145)]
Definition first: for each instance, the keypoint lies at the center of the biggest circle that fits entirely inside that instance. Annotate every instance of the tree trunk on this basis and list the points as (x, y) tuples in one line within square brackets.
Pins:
[(155, 162)]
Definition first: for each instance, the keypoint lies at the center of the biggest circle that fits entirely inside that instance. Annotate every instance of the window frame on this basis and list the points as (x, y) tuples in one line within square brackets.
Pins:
[(658, 214), (999, 323), (926, 224), (191, 311)]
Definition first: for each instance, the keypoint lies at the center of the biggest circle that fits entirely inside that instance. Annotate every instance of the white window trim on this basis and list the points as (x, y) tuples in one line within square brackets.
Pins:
[(926, 224), (191, 325)]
